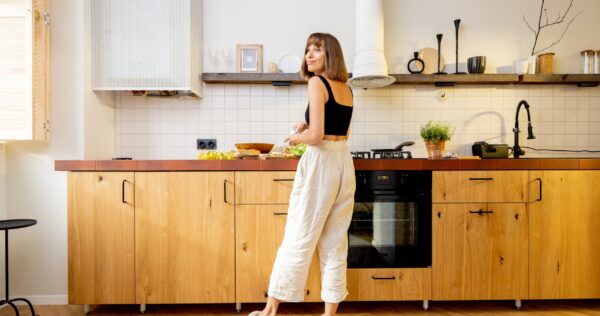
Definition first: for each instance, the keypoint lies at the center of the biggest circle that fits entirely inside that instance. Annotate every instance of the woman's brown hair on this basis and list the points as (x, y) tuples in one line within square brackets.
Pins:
[(335, 68)]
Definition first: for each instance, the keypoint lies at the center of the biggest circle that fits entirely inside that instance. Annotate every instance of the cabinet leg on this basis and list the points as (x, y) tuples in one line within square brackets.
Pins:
[(425, 305), (142, 308), (238, 307), (518, 304), (86, 309)]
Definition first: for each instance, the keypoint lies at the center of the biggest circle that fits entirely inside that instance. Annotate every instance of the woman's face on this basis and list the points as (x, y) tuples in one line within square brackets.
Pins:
[(315, 59)]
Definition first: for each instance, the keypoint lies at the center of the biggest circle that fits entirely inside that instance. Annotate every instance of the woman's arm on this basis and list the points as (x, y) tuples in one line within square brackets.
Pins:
[(316, 100)]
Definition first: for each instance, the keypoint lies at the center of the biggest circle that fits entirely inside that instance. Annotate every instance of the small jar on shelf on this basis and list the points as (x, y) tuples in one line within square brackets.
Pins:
[(597, 62), (546, 63), (588, 61)]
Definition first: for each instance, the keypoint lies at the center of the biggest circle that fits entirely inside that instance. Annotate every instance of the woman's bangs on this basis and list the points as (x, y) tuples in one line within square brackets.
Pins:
[(316, 40)]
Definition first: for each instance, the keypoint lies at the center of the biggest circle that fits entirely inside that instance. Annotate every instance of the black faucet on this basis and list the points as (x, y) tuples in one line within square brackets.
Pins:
[(517, 151)]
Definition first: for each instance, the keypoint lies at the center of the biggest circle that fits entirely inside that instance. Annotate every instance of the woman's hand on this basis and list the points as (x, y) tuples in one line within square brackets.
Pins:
[(301, 126), (293, 140)]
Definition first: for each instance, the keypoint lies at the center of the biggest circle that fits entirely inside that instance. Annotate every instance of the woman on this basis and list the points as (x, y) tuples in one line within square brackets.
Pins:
[(322, 198)]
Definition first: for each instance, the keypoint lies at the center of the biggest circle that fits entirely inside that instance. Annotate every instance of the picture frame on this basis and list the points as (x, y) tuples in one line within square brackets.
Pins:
[(249, 58)]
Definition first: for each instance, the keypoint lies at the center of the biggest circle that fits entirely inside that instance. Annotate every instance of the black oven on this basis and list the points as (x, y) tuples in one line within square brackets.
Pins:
[(391, 222)]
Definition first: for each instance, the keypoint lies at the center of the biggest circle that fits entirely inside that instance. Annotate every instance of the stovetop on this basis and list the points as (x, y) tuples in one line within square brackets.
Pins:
[(382, 154)]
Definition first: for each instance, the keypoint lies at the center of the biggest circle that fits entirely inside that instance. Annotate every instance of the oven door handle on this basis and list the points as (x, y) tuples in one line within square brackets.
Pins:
[(386, 198), (384, 192)]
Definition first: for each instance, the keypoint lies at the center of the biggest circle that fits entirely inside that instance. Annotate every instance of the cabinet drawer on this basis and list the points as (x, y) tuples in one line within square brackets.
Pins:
[(263, 187), (259, 232), (389, 284), (480, 186)]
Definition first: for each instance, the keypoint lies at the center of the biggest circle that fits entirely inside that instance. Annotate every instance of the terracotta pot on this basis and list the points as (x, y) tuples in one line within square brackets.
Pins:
[(435, 151)]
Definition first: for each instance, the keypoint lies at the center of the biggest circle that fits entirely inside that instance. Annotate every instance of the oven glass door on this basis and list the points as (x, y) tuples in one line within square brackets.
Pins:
[(390, 231)]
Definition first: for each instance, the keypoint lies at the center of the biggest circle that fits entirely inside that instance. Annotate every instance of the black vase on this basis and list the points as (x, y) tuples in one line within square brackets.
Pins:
[(476, 65), (457, 26)]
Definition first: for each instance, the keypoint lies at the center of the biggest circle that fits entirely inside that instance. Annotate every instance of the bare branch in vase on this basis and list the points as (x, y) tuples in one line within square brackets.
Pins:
[(559, 19)]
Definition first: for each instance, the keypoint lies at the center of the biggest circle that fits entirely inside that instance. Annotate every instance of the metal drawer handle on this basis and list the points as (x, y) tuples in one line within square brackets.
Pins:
[(283, 180), (540, 198), (280, 213), (481, 179), (122, 191), (383, 278), (481, 212), (225, 191)]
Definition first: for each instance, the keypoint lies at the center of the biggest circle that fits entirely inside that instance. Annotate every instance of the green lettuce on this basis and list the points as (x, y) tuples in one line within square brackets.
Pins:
[(297, 150)]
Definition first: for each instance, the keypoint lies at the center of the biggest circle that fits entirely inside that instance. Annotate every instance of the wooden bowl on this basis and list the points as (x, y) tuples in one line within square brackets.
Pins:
[(262, 147)]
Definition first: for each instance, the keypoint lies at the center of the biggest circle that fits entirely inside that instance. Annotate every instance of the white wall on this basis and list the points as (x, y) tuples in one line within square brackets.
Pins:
[(2, 181), (82, 126), (488, 27), (35, 190), (564, 117), (2, 198), (281, 26)]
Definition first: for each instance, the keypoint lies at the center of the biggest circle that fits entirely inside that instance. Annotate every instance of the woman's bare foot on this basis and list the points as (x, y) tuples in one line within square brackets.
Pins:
[(269, 310)]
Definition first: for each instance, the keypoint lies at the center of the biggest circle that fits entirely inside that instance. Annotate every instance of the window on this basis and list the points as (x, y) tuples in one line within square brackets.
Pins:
[(24, 70)]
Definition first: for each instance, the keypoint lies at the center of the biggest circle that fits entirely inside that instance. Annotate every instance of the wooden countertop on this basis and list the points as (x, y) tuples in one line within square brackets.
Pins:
[(359, 164)]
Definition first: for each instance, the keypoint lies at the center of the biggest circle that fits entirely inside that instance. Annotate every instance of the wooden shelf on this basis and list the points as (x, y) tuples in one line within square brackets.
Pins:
[(285, 79), (578, 79), (452, 79), (270, 78)]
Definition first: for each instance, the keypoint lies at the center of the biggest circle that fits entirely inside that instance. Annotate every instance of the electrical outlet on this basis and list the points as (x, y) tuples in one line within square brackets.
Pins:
[(206, 143)]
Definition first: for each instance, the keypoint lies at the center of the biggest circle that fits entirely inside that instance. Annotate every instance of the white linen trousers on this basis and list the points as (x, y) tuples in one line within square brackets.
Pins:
[(319, 214)]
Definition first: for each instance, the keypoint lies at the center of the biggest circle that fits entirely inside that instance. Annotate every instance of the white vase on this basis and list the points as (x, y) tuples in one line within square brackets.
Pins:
[(521, 66), (532, 65)]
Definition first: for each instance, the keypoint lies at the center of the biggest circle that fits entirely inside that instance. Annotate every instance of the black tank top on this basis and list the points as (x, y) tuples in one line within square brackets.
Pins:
[(337, 116)]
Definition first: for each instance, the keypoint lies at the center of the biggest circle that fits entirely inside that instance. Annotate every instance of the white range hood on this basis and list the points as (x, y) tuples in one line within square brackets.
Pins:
[(370, 68)]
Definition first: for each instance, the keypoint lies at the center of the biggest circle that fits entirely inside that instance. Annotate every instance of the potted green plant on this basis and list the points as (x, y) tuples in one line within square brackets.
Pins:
[(435, 135)]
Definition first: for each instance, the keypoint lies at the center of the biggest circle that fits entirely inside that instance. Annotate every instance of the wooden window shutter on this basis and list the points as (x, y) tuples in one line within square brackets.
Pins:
[(41, 70), (24, 70)]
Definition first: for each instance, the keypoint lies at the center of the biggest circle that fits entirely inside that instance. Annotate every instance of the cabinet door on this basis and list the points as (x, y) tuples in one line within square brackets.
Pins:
[(259, 232), (479, 186), (184, 237), (100, 229), (263, 187), (389, 284), (565, 235), (479, 256)]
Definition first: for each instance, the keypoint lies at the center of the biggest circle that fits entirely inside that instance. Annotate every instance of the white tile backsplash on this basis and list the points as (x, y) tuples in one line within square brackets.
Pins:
[(166, 128)]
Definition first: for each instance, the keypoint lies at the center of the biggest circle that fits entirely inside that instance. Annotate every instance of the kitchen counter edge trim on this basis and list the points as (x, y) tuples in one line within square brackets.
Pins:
[(359, 164)]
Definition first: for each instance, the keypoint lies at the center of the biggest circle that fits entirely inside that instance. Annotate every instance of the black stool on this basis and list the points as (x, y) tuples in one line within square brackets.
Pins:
[(5, 225)]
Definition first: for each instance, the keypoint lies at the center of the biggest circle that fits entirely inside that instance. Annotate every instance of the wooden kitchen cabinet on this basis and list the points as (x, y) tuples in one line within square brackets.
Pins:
[(184, 237), (389, 284), (100, 238), (263, 187), (479, 256), (479, 186), (565, 234), (259, 232)]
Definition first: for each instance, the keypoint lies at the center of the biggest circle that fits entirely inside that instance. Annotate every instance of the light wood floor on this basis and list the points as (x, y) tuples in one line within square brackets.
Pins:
[(503, 308)]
